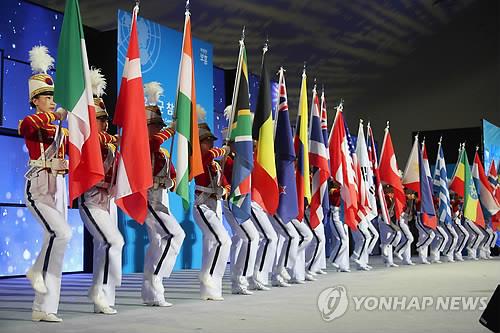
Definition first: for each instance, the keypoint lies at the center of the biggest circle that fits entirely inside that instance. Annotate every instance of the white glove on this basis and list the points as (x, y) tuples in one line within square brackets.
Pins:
[(227, 148), (61, 113)]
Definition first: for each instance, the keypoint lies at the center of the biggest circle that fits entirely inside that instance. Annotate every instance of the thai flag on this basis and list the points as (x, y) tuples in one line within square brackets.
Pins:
[(440, 184), (285, 158), (318, 159)]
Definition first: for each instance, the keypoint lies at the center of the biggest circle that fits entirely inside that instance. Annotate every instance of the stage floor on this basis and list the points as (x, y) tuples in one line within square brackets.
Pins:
[(288, 310)]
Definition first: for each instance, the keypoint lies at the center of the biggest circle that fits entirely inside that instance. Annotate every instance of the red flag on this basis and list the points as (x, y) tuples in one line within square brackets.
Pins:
[(342, 171), (389, 173), (133, 178)]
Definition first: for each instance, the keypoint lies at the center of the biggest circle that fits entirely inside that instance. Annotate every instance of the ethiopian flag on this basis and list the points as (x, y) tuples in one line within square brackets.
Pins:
[(188, 160), (73, 92), (463, 184)]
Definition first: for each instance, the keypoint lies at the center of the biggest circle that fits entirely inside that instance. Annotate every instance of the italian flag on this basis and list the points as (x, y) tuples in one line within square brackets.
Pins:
[(74, 93), (188, 163)]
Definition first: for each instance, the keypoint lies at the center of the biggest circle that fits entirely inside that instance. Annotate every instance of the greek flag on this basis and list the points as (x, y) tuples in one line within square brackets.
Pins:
[(440, 183)]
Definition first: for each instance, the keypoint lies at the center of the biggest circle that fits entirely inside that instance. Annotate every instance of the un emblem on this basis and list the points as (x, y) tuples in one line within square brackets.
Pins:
[(149, 40)]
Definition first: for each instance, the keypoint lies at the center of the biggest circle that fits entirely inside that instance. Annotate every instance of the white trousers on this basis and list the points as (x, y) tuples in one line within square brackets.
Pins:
[(390, 236), (439, 243), (374, 236), (94, 207), (449, 249), (267, 246), (475, 239), (40, 199), (316, 249), (305, 238), (463, 237), (165, 241), (288, 244), (425, 237), (340, 249), (244, 246), (362, 239), (404, 246), (216, 247)]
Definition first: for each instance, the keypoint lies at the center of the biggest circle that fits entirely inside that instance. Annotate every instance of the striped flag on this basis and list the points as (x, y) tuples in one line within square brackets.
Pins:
[(264, 181), (318, 159), (188, 163), (463, 184), (427, 209), (73, 92), (440, 183), (493, 179), (324, 124), (302, 151), (372, 155), (241, 134), (133, 176), (285, 157)]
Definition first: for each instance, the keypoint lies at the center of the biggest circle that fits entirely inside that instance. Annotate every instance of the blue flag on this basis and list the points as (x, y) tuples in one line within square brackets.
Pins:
[(285, 158)]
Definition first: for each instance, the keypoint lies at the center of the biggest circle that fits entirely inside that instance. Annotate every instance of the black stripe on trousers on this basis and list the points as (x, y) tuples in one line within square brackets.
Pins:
[(401, 244), (447, 251), (219, 243), (442, 240), (45, 223), (427, 233), (108, 245), (373, 236), (298, 231), (247, 256), (287, 253), (316, 248), (395, 234), (169, 240), (462, 243), (340, 239), (479, 227), (261, 266)]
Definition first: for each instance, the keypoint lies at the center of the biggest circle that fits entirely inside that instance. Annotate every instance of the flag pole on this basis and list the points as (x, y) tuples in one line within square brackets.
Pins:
[(312, 108), (297, 122), (236, 86), (281, 78)]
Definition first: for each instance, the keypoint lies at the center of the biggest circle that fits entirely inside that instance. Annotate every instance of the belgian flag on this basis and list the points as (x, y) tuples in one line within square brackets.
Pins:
[(264, 181)]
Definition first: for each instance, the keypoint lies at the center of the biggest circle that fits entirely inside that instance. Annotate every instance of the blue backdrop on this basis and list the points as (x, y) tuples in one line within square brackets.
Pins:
[(160, 49), (23, 25)]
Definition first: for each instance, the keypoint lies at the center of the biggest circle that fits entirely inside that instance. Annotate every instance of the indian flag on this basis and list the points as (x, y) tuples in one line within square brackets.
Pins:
[(73, 92), (188, 163)]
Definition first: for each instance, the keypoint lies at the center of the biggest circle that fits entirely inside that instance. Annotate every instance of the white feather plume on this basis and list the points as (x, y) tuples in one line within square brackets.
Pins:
[(227, 111), (98, 82), (40, 59), (202, 114), (153, 90)]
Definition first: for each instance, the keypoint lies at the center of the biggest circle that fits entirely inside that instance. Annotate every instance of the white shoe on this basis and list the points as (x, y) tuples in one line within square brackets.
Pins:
[(436, 261), (344, 270), (36, 280), (212, 298), (107, 310), (425, 261), (321, 272), (255, 284), (162, 303), (280, 283), (458, 257), (44, 316), (310, 277), (409, 263), (241, 290), (391, 265), (284, 274), (369, 267), (335, 265), (296, 281), (398, 255)]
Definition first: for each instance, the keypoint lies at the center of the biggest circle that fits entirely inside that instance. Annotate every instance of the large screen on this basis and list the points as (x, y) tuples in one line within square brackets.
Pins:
[(491, 144)]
